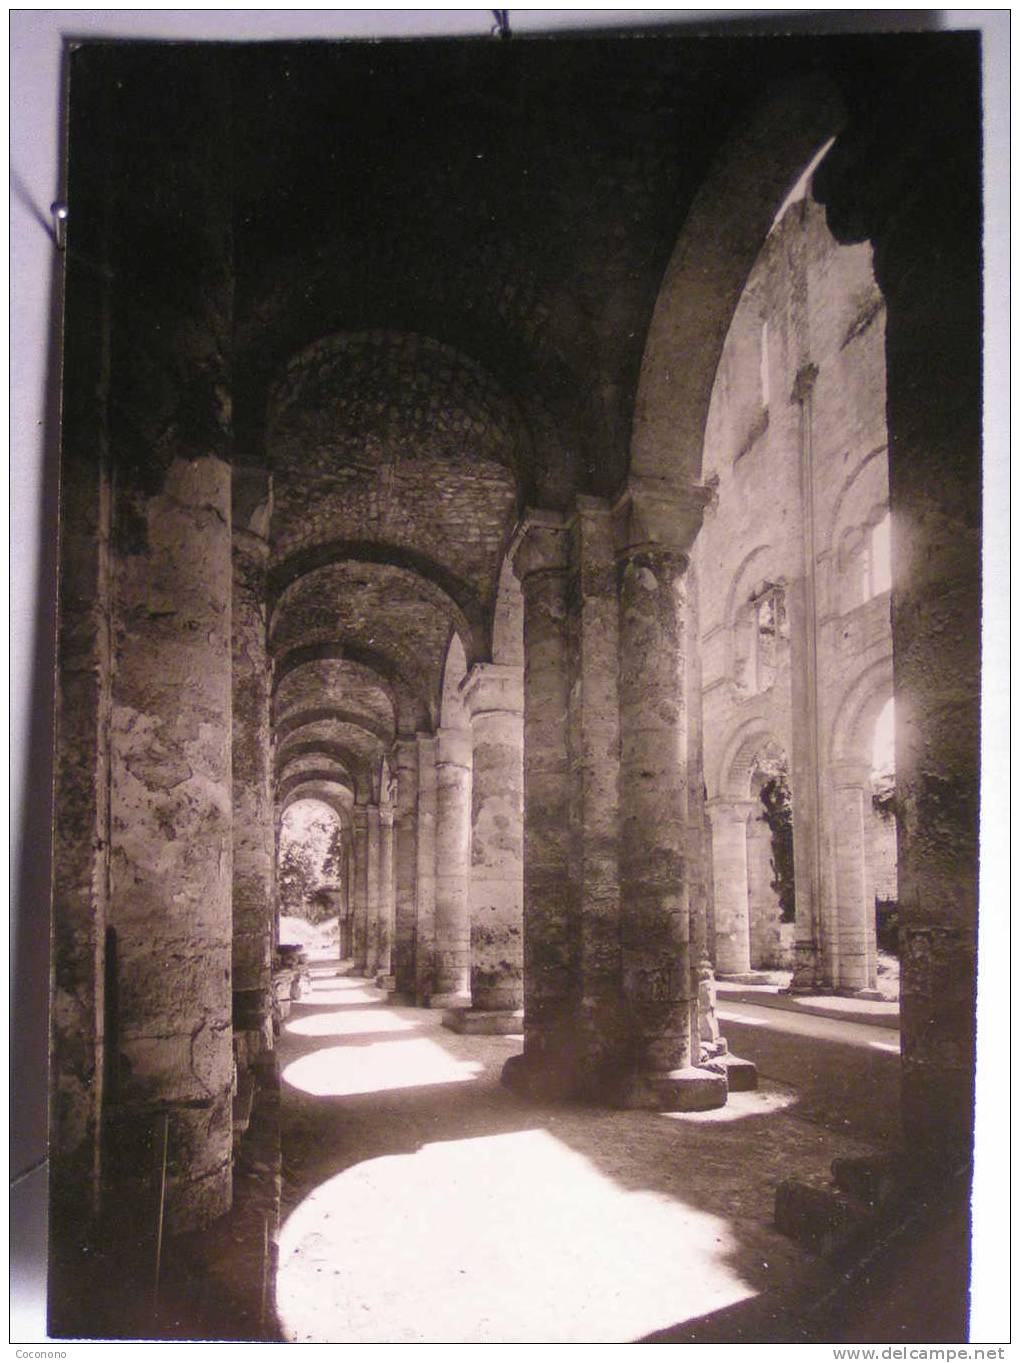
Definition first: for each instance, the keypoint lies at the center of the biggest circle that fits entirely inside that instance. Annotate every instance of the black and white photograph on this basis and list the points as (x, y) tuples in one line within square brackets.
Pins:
[(497, 859)]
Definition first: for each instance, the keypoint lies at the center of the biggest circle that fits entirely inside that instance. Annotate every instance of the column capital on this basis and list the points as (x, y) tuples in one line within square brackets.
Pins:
[(651, 514), (540, 544), (493, 687), (385, 816)]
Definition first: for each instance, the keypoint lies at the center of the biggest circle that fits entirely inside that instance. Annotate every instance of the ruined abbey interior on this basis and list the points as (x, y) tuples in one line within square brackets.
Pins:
[(557, 461)]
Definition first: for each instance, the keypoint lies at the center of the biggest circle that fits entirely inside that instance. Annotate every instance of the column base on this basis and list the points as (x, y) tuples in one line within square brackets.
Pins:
[(387, 982), (539, 1083), (691, 1089), (485, 1021), (449, 1001), (401, 998), (741, 1075)]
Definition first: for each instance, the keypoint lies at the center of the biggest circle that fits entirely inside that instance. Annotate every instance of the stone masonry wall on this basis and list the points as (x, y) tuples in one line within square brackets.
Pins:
[(802, 526)]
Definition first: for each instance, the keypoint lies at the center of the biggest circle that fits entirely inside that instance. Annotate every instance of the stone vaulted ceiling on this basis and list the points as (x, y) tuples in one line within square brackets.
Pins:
[(446, 259)]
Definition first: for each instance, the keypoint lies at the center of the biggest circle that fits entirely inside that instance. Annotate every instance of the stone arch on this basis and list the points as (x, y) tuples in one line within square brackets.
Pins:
[(300, 719), (336, 753), (411, 709), (733, 780), (857, 712), (395, 439), (326, 776), (723, 234), (846, 492), (319, 762), (327, 792), (507, 619), (460, 600), (452, 714)]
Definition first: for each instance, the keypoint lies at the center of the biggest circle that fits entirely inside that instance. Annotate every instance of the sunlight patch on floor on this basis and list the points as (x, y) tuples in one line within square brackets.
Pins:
[(355, 1022), (513, 1238), (326, 990), (338, 1071)]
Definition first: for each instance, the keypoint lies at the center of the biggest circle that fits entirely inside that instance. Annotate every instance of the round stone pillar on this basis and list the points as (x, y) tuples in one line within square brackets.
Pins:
[(452, 953), (852, 788), (425, 888), (405, 866), (359, 890), (552, 989), (171, 858), (660, 987), (729, 867), (384, 943), (252, 785), (373, 893), (493, 698)]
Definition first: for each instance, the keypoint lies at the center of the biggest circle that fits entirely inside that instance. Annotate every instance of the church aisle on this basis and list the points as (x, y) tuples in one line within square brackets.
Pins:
[(425, 1203)]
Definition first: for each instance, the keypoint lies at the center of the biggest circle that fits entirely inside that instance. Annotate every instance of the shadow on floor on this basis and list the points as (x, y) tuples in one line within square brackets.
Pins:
[(395, 1123)]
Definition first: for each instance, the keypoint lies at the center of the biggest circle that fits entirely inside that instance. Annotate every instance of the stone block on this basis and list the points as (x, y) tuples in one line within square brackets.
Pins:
[(457, 1000), (821, 1219), (691, 1089), (741, 1075), (485, 1022), (386, 982)]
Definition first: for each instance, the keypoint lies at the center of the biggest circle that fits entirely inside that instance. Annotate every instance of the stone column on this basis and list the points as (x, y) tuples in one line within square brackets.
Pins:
[(594, 745), (373, 893), (254, 834), (551, 939), (425, 888), (729, 863), (452, 954), (908, 177), (659, 984), (359, 890), (172, 839), (406, 867), (384, 956), (851, 788), (494, 700), (141, 1002)]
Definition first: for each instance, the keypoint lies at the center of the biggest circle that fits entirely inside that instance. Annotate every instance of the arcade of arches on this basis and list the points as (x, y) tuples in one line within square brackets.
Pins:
[(460, 437)]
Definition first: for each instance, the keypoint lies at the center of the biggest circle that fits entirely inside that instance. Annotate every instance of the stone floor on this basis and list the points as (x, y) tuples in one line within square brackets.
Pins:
[(423, 1202)]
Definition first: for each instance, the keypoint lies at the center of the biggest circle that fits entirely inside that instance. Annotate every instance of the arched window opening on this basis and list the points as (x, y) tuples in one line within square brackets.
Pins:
[(765, 631)]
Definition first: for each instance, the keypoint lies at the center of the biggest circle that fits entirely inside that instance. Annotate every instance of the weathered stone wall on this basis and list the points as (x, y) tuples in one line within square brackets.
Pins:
[(802, 370), (154, 638)]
